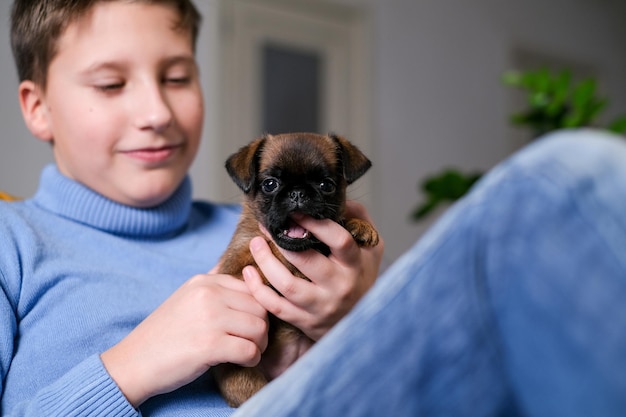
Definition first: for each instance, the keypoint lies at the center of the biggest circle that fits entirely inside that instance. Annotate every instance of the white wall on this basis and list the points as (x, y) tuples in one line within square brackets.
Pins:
[(438, 101), (438, 97), (21, 157)]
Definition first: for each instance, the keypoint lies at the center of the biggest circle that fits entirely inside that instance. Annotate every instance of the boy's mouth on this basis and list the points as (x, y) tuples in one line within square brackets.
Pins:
[(153, 155)]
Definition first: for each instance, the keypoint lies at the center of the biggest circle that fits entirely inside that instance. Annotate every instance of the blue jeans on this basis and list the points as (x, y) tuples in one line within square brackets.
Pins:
[(513, 304)]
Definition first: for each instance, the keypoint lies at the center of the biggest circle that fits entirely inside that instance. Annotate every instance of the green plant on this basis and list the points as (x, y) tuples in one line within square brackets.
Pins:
[(553, 101), (445, 187)]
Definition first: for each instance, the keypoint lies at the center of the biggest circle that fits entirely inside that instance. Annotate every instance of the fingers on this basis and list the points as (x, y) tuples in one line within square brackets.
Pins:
[(336, 283), (234, 297), (209, 320), (313, 307), (343, 249), (221, 280), (294, 289), (248, 339)]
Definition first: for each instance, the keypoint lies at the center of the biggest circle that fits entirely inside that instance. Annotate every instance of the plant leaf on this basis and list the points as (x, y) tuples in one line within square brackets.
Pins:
[(618, 125)]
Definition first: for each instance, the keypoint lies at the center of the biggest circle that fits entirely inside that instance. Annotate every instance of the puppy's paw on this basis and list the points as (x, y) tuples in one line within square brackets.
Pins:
[(363, 233)]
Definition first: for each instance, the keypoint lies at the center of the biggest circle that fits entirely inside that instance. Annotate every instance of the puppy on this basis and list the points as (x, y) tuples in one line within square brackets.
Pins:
[(282, 175)]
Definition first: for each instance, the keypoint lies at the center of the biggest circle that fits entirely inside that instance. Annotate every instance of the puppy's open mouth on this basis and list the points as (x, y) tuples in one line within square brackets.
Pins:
[(295, 231), (293, 237)]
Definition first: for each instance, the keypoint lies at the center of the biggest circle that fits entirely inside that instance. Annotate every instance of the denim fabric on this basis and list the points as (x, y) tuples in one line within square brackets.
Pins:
[(514, 304)]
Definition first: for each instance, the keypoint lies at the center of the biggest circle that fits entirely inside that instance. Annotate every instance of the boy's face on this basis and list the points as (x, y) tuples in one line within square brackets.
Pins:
[(123, 104)]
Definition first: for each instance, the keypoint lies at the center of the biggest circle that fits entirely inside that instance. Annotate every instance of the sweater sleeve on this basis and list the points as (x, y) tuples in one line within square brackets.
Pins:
[(87, 389), (8, 330)]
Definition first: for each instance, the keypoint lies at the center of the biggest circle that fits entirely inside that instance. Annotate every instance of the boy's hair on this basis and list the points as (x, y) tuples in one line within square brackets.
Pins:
[(37, 25)]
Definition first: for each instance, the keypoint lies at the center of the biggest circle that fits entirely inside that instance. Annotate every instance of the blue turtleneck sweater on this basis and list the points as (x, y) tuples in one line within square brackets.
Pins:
[(77, 273)]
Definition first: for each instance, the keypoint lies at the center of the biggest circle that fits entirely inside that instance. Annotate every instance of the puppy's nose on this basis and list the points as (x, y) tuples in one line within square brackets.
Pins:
[(297, 195)]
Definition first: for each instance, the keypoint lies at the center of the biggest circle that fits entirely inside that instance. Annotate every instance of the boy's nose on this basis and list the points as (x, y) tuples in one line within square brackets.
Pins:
[(153, 111)]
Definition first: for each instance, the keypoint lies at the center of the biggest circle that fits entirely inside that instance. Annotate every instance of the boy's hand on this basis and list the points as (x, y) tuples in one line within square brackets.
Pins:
[(209, 320), (337, 281)]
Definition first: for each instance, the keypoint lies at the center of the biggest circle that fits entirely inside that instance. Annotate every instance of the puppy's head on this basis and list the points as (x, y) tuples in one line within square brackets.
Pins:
[(296, 173)]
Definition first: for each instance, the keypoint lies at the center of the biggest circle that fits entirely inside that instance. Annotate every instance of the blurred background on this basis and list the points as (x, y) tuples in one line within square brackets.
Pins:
[(417, 84)]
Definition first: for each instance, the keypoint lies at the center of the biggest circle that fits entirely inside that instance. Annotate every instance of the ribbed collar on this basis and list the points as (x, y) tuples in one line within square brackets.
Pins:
[(70, 199)]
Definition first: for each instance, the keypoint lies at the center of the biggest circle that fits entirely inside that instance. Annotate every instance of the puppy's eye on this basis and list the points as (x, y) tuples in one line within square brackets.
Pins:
[(327, 186), (269, 185)]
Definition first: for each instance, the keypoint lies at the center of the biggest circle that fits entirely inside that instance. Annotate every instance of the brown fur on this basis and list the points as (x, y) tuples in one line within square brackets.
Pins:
[(299, 162)]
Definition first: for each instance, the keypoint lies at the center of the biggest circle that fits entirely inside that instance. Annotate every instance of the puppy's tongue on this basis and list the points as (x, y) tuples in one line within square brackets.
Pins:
[(295, 231)]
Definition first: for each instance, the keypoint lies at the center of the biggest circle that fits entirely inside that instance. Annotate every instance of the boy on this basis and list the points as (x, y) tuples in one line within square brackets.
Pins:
[(105, 308)]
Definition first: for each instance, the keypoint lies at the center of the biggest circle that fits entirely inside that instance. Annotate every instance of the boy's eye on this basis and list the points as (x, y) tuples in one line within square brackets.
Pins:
[(178, 71), (110, 87), (181, 80)]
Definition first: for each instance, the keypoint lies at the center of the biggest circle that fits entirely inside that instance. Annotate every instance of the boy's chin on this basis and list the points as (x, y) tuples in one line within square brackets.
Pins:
[(144, 195), (153, 200)]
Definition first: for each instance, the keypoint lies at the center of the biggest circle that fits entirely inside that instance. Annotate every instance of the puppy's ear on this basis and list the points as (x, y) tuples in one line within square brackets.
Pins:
[(243, 165), (355, 163)]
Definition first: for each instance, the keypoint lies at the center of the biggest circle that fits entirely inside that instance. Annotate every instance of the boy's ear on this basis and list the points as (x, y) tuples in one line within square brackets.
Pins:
[(34, 111)]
